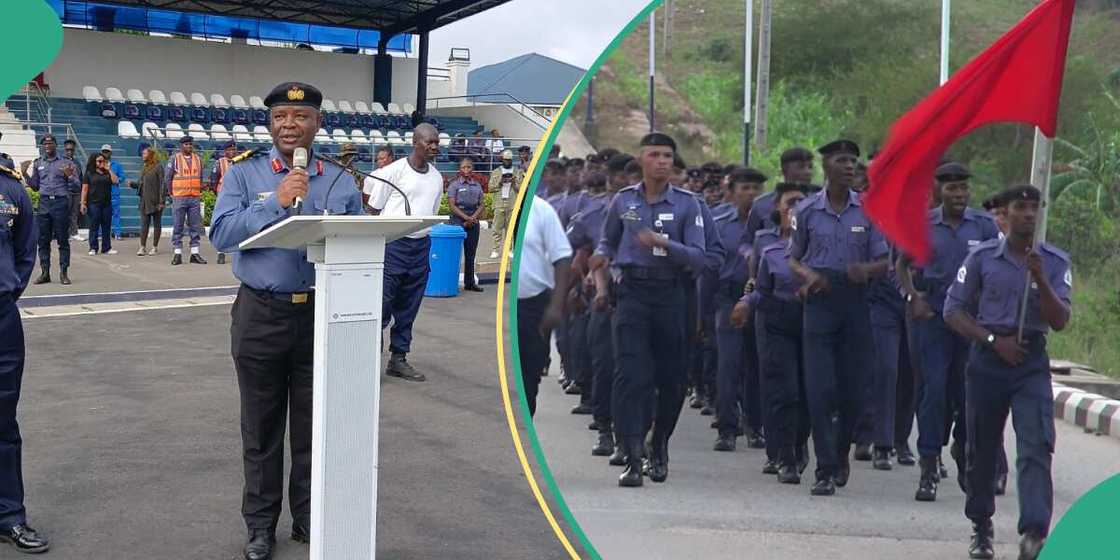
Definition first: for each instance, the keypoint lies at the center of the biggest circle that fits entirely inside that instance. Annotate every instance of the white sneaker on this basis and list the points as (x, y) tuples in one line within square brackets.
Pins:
[(493, 254), (111, 252), (92, 253), (152, 251), (77, 237), (141, 252)]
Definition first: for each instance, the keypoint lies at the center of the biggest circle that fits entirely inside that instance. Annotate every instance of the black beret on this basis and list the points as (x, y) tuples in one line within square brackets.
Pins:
[(1020, 192), (796, 154), (523, 149), (952, 172), (294, 93), (839, 147), (186, 139), (678, 161), (695, 173), (993, 202), (658, 139), (618, 162), (747, 175), (554, 164), (784, 187), (47, 137)]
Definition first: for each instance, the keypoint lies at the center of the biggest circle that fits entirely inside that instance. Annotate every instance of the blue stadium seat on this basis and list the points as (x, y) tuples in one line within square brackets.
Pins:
[(219, 115), (364, 154), (260, 116), (241, 116), (132, 111), (404, 122), (176, 114), (200, 115), (333, 120), (110, 111), (155, 113), (366, 121)]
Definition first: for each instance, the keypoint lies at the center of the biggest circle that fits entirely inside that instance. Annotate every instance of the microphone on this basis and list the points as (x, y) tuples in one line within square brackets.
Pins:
[(299, 161), (407, 206)]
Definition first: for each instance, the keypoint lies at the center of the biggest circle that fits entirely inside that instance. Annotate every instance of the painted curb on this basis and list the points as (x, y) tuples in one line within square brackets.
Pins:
[(1088, 410)]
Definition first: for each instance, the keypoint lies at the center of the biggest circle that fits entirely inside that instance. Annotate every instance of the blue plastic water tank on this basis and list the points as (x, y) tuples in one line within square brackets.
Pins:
[(444, 258)]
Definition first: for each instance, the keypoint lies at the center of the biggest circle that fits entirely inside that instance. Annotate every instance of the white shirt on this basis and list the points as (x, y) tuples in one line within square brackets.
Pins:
[(424, 191), (544, 243)]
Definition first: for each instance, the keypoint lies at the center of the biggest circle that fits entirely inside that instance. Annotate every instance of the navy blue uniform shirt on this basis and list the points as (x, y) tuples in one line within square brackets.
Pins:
[(18, 237), (823, 239), (675, 214)]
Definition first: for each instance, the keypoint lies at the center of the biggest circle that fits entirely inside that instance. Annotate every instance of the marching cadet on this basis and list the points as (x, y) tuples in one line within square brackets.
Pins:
[(835, 250), (274, 314), (737, 361), (654, 233), (54, 177), (17, 261), (218, 174), (778, 329), (183, 180), (1009, 372), (797, 167)]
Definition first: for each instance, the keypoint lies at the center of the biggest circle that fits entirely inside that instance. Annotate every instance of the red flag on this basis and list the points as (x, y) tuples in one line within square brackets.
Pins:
[(1018, 79)]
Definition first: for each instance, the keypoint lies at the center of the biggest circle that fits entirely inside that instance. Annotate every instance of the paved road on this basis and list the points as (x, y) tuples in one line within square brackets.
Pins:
[(132, 448), (720, 506)]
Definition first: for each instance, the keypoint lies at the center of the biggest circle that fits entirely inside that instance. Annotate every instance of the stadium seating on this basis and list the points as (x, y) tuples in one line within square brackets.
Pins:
[(113, 94), (197, 132), (125, 129), (345, 106), (376, 138), (91, 94), (339, 135), (218, 100), (328, 106), (358, 137), (241, 134), (199, 100), (361, 107), (174, 131), (394, 138), (150, 131), (378, 109), (408, 108), (322, 136), (177, 98), (238, 102), (136, 96), (261, 134), (156, 96), (219, 133), (256, 102)]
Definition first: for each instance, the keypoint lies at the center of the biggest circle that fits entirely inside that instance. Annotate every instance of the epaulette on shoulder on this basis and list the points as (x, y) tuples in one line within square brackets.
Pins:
[(987, 245), (627, 189), (246, 156), (1055, 251), (12, 173)]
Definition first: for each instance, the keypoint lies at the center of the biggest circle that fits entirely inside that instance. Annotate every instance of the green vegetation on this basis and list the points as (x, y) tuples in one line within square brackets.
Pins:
[(850, 68)]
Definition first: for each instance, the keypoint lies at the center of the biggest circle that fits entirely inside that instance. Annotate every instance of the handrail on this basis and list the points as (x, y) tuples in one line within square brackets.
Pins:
[(507, 95), (33, 93), (71, 134)]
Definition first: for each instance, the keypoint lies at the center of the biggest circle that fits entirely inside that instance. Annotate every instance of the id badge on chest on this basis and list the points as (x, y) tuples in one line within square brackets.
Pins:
[(660, 251)]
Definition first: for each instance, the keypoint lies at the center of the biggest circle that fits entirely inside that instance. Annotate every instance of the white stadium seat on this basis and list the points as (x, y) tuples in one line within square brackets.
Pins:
[(339, 135), (177, 98), (376, 138), (199, 100), (150, 131), (328, 106), (256, 102), (408, 137), (238, 102), (394, 109), (358, 136), (219, 133), (125, 129), (345, 107), (136, 96), (394, 138), (241, 134), (261, 134), (113, 94), (156, 96), (196, 131), (408, 108), (217, 100), (322, 136), (91, 93), (377, 108), (174, 131), (444, 139), (361, 107)]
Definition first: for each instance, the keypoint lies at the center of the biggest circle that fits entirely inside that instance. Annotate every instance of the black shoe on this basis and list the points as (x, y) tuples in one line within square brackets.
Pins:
[(802, 458), (572, 389), (473, 288), (197, 259), (842, 474), (597, 426), (1030, 546), (941, 470), (1001, 484), (64, 278), (881, 460), (957, 452), (260, 545), (981, 546), (696, 400), (44, 278), (632, 476), (659, 460), (714, 424), (927, 484), (618, 458), (823, 487), (863, 452), (399, 367), (725, 442), (221, 258), (24, 539), (605, 446), (787, 474), (582, 408), (905, 456), (707, 410), (176, 260), (755, 440), (300, 533), (770, 467)]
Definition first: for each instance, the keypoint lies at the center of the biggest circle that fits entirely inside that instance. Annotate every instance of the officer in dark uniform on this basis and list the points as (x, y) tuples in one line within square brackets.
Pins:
[(654, 233), (273, 323), (54, 177), (465, 199), (17, 260), (797, 167), (1007, 372), (836, 251)]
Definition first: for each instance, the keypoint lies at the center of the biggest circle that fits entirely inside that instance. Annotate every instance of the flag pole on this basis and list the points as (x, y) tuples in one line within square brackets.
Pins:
[(652, 59), (747, 55), (946, 9), (1040, 178)]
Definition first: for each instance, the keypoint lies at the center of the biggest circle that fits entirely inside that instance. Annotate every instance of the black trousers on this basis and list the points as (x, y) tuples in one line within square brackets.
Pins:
[(470, 250), (532, 349), (153, 221), (272, 342), (11, 444)]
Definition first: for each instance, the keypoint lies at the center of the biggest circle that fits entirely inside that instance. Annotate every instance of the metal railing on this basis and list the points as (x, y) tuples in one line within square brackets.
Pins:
[(36, 106), (473, 101), (437, 73), (58, 129)]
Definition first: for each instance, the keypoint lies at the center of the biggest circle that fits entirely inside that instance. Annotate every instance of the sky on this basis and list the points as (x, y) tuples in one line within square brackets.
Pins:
[(572, 31)]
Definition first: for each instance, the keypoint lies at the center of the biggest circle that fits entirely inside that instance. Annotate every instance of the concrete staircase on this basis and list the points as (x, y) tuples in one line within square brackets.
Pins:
[(18, 143)]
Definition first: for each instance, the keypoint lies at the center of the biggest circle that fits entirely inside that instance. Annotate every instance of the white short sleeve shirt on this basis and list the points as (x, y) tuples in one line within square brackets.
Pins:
[(544, 243), (424, 191)]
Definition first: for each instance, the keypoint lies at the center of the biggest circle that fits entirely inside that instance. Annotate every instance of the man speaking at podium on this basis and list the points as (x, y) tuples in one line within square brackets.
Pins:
[(273, 319)]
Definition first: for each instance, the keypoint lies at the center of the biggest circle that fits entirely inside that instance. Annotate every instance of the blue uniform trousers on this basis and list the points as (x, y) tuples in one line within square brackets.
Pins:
[(892, 362), (649, 348), (188, 219), (11, 376), (53, 220), (778, 328), (600, 344), (578, 354), (732, 360), (406, 277), (561, 334), (943, 355), (992, 389), (837, 357)]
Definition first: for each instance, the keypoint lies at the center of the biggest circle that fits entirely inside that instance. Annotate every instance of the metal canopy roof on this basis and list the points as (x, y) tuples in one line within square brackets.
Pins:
[(390, 17)]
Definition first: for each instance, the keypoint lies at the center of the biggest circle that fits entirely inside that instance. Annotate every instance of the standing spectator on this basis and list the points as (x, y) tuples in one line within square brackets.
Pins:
[(68, 147), (118, 171), (97, 202), (152, 199), (183, 178), (465, 199), (218, 174), (504, 182), (384, 156), (524, 158), (543, 279), (53, 176)]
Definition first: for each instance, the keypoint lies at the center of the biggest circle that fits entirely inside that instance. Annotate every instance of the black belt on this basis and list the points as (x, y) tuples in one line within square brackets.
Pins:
[(1029, 337), (296, 298), (54, 196), (650, 273)]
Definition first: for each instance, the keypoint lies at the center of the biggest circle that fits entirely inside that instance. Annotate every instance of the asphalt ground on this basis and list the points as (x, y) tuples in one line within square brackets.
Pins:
[(132, 447), (720, 506)]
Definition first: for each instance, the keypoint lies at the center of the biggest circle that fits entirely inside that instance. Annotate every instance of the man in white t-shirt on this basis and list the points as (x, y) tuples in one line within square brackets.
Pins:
[(406, 259), (542, 284)]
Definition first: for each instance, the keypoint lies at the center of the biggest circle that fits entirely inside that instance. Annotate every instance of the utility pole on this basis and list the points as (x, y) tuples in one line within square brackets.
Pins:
[(760, 121)]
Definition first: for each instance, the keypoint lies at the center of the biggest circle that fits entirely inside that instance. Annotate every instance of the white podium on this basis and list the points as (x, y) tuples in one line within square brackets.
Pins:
[(349, 257)]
